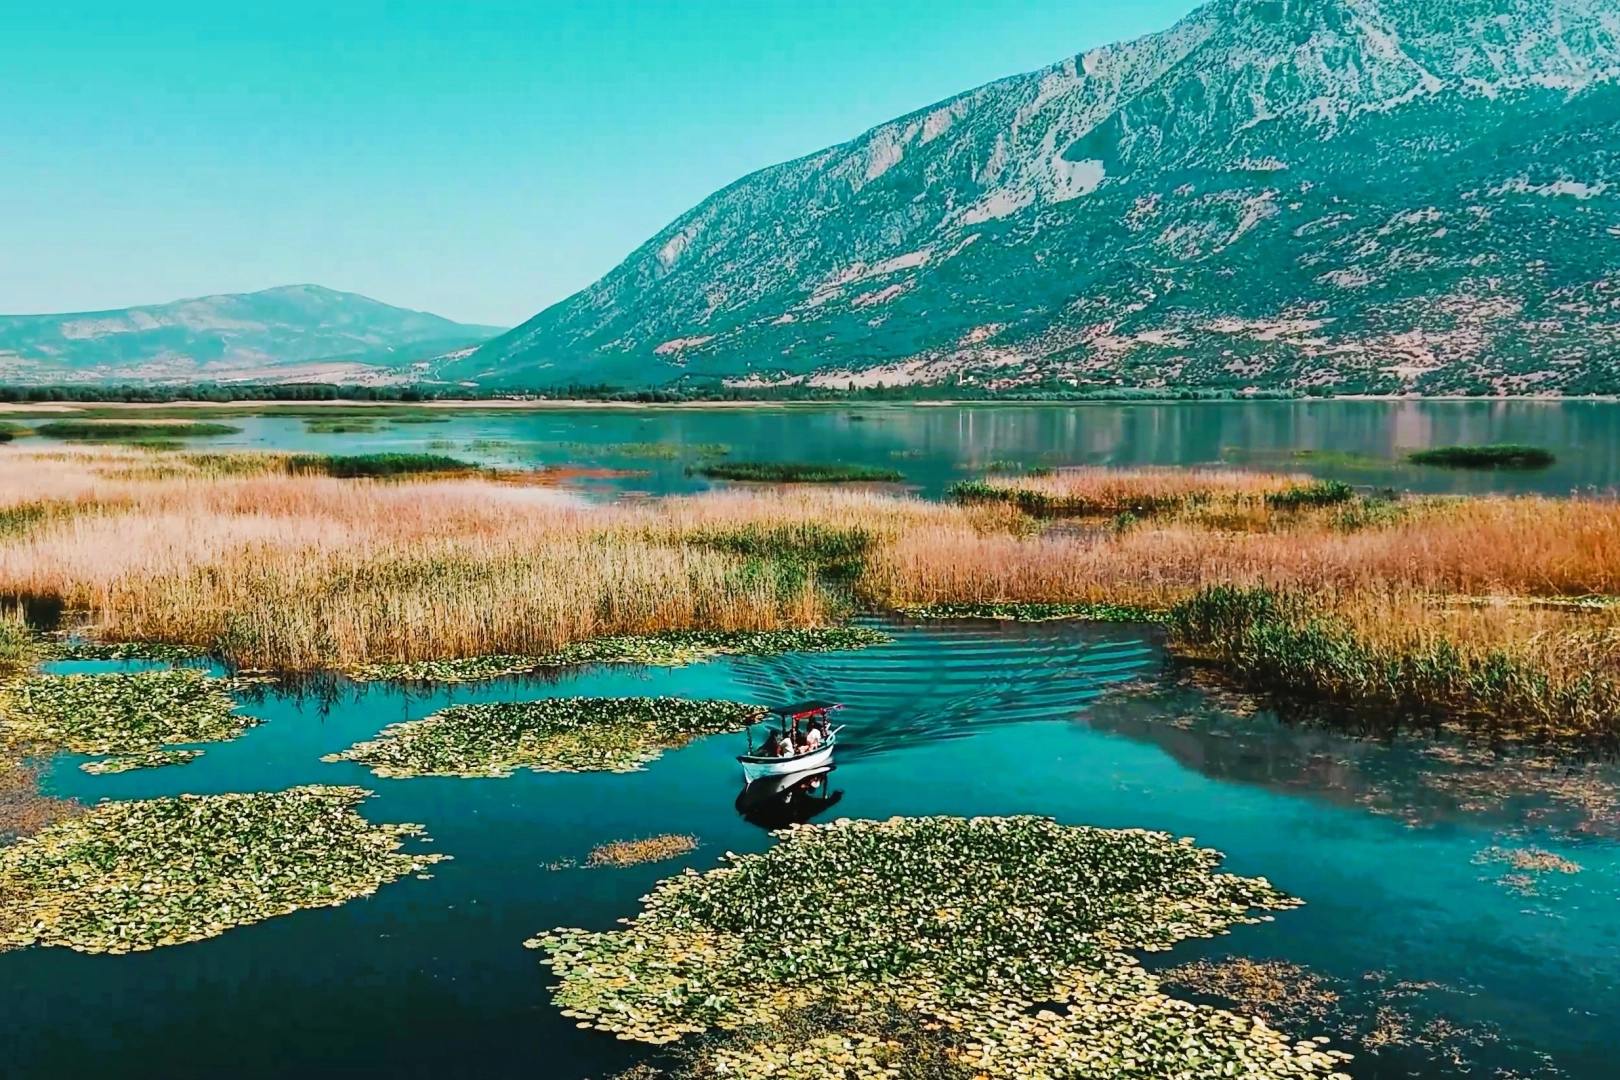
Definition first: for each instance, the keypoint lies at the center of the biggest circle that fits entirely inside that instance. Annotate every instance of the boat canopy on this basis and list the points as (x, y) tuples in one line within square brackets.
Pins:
[(800, 709)]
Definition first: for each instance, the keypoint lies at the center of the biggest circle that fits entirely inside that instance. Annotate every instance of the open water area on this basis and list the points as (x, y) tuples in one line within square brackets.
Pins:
[(1468, 964), (1360, 442)]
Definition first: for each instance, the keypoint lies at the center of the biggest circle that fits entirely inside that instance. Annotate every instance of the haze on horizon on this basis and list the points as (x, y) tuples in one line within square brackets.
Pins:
[(479, 163)]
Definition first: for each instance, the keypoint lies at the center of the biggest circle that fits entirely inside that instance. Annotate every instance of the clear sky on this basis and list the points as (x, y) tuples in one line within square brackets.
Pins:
[(479, 160)]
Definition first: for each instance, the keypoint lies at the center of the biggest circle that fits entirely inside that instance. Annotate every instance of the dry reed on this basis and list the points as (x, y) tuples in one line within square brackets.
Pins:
[(307, 572)]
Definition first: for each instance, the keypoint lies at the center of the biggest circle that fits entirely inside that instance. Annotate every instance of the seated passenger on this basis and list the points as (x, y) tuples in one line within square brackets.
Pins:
[(812, 738)]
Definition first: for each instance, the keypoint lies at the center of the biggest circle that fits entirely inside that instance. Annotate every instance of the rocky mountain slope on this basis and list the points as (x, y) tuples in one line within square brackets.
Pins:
[(1345, 195), (291, 333)]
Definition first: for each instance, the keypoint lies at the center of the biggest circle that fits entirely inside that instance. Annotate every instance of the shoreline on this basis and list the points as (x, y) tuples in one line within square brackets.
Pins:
[(60, 408)]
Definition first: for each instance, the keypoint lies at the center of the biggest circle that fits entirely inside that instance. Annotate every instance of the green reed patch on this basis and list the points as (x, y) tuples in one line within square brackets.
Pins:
[(809, 544), (1017, 612), (417, 418), (784, 472), (114, 431), (377, 466), (967, 922), (1492, 456), (1277, 642), (548, 735), (120, 712), (350, 426), (1316, 493), (131, 876), (150, 759), (673, 648), (1044, 504)]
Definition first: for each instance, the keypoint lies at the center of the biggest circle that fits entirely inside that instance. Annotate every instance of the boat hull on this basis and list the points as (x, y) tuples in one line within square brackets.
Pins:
[(755, 767)]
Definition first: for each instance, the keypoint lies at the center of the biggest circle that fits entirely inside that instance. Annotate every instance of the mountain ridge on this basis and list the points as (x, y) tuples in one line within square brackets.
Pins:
[(1346, 195), (276, 334)]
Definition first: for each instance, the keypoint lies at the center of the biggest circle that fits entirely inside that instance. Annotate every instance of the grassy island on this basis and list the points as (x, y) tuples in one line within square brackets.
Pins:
[(1495, 456)]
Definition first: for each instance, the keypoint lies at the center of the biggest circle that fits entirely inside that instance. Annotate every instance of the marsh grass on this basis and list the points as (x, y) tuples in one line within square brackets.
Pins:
[(1099, 492), (131, 431), (1401, 660), (436, 573), (377, 466), (1493, 456), (626, 853)]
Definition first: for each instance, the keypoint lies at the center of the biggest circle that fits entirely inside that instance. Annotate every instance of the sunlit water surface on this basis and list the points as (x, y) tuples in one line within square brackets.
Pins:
[(1361, 442), (1389, 844)]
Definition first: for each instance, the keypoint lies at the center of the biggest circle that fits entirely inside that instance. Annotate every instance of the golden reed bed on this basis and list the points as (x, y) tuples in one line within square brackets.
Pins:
[(299, 573)]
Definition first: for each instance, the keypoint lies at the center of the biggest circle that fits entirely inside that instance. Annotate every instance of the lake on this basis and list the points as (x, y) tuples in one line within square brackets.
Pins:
[(1361, 442), (1394, 845)]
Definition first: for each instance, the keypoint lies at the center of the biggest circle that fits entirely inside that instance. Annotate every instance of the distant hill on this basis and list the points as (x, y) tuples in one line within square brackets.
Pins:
[(1330, 195), (291, 333)]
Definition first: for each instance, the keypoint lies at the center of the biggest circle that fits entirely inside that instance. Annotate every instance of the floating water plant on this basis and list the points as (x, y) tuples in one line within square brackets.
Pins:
[(670, 649), (1018, 612), (622, 853), (783, 472), (123, 713), (1492, 456), (131, 876), (966, 922), (548, 735), (150, 759), (119, 650)]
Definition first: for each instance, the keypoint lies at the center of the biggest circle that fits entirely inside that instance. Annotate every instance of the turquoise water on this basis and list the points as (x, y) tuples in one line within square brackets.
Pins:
[(1362, 442), (429, 978)]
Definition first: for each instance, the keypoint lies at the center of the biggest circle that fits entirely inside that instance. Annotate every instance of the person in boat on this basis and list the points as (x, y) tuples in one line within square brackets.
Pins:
[(773, 746), (812, 738)]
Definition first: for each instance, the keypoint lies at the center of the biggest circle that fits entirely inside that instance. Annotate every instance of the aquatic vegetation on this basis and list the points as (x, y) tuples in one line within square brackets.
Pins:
[(1100, 492), (149, 759), (782, 472), (119, 650), (1031, 612), (348, 426), (1282, 642), (1392, 1019), (116, 431), (120, 712), (811, 544), (1315, 493), (548, 735), (416, 418), (673, 648), (622, 853), (377, 466), (965, 922), (131, 876), (1493, 456)]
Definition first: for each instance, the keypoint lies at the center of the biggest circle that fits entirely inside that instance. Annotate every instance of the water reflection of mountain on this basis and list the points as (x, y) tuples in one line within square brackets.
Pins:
[(776, 802), (945, 680), (1420, 781)]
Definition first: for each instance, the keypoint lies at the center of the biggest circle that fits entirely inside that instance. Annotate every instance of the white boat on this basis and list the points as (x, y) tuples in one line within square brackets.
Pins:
[(756, 766)]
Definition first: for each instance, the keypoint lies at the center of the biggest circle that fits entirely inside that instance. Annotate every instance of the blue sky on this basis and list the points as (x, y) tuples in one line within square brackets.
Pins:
[(479, 160)]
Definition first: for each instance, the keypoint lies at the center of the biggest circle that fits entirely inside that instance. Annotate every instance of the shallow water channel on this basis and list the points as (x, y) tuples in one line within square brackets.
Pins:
[(1392, 845)]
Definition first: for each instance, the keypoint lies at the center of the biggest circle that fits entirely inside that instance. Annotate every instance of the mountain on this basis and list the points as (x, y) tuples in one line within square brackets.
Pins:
[(1324, 195), (291, 333)]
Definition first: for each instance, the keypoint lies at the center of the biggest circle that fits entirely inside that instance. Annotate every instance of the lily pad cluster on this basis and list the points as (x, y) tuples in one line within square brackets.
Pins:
[(120, 650), (150, 759), (669, 649), (1017, 612), (968, 922), (548, 735), (123, 713), (131, 876)]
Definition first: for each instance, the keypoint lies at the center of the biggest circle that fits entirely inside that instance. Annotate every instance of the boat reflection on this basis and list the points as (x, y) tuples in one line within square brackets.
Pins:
[(775, 802)]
